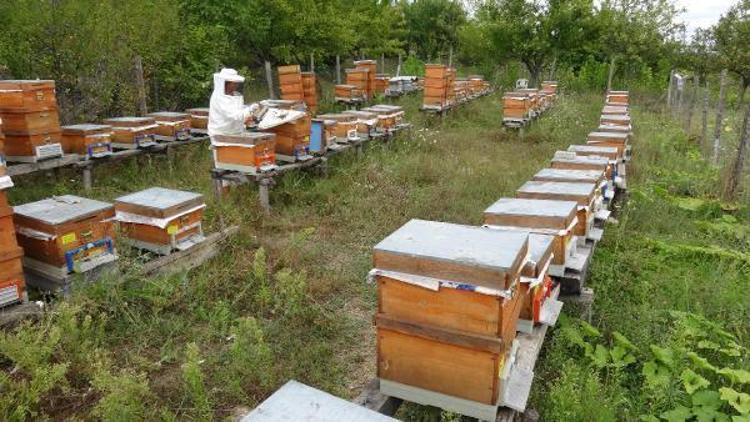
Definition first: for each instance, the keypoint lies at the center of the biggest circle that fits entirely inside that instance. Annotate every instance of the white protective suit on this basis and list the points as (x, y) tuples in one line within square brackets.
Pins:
[(227, 113)]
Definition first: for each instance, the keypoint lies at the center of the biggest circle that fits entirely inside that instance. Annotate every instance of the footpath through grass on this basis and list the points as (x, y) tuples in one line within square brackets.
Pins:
[(287, 298)]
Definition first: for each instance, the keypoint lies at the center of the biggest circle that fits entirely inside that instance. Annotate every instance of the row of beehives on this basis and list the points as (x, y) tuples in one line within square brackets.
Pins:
[(524, 104), (64, 235), (451, 298), (363, 84), (31, 122), (288, 132), (443, 90)]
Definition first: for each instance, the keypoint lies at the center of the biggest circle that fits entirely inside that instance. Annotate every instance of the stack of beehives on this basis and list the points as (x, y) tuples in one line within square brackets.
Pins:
[(31, 120), (452, 297), (439, 89), (290, 83), (12, 286), (382, 82), (309, 91), (524, 104), (371, 66)]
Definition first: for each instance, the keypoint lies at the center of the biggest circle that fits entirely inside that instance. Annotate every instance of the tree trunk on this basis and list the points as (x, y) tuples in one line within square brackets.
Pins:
[(269, 81), (140, 86), (338, 70), (669, 90), (691, 109), (730, 191), (719, 118), (704, 121), (611, 74)]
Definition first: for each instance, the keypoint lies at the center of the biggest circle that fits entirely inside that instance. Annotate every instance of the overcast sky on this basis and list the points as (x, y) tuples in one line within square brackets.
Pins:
[(703, 13)]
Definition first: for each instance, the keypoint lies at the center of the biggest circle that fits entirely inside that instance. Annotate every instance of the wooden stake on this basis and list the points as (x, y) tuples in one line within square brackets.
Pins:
[(730, 193), (140, 86), (382, 63), (312, 63), (269, 81), (704, 121), (611, 73), (338, 70), (669, 89), (691, 109), (450, 57), (719, 117), (398, 68)]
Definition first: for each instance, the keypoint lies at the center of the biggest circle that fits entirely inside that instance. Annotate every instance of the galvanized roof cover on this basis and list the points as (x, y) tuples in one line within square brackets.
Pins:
[(539, 246), (297, 402), (608, 135), (467, 245), (61, 209), (197, 110), (593, 148), (86, 127), (246, 138), (558, 188), (159, 198), (169, 115), (569, 174), (620, 117), (535, 207), (591, 159), (129, 119)]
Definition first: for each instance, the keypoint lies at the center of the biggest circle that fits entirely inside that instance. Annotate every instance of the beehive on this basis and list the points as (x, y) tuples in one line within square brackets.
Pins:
[(290, 82), (348, 92), (198, 117), (516, 105), (161, 220), (4, 179), (551, 217), (447, 308), (615, 120), (613, 128), (31, 121), (251, 152), (584, 194), (572, 161), (172, 125), (618, 97), (549, 87), (88, 140), (65, 234), (535, 99), (310, 91), (439, 89), (612, 153), (292, 138), (132, 132), (536, 287), (619, 110), (366, 120), (358, 78), (371, 66), (566, 175), (609, 139), (345, 123), (12, 285), (382, 81)]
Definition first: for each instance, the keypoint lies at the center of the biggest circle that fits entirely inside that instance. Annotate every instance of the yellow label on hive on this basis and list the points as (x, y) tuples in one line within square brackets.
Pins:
[(68, 238), (172, 229)]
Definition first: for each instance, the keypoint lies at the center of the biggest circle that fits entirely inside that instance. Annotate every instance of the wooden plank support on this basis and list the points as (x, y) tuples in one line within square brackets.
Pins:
[(14, 314), (192, 257)]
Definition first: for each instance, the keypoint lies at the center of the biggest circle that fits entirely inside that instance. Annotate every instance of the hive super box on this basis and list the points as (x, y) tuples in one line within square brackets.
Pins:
[(132, 132), (88, 140), (161, 220), (585, 194), (171, 125), (250, 152), (448, 304)]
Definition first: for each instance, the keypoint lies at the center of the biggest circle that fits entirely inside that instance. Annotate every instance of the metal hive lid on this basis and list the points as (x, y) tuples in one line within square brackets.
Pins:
[(61, 209), (536, 207), (592, 148), (582, 175), (608, 135), (539, 246), (169, 114), (456, 243), (159, 198), (558, 187), (129, 119), (86, 127)]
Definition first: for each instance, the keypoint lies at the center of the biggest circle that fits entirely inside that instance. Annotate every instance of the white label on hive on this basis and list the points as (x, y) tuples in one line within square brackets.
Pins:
[(50, 150)]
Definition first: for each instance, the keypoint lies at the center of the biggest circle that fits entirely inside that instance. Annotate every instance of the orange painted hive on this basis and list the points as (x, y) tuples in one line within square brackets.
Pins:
[(30, 119), (132, 132), (198, 117), (251, 152), (172, 125), (161, 220), (88, 140)]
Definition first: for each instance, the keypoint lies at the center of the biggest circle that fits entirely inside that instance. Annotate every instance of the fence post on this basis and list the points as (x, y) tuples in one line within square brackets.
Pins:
[(691, 109), (669, 90), (398, 68), (611, 73), (382, 62), (338, 70), (704, 123), (312, 63), (140, 85), (269, 81), (735, 176), (719, 118), (450, 57)]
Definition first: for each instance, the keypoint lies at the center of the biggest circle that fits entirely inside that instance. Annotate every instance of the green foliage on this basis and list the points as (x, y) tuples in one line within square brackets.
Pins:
[(195, 385)]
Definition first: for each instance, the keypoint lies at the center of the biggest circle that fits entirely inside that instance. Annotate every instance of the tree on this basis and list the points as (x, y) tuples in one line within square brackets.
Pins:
[(732, 35), (432, 26)]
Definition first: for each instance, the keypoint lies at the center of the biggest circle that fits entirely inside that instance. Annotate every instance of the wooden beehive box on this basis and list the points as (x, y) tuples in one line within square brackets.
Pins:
[(309, 87), (572, 161), (88, 140), (612, 153), (347, 92), (172, 125), (198, 117), (615, 120), (290, 82), (381, 83), (609, 139), (12, 285), (438, 85), (394, 113), (358, 78), (293, 138), (549, 87), (365, 119), (65, 234), (618, 97), (573, 176), (553, 217), (132, 132), (536, 286), (344, 124), (31, 136), (372, 69), (516, 105), (584, 194), (448, 307), (607, 110), (614, 128), (3, 169), (251, 152), (161, 220), (24, 96)]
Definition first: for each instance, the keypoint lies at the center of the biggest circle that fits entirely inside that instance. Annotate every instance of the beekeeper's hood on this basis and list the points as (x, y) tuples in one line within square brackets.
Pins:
[(227, 112)]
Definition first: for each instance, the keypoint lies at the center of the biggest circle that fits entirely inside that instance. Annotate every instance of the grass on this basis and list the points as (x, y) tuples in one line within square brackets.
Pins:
[(287, 297)]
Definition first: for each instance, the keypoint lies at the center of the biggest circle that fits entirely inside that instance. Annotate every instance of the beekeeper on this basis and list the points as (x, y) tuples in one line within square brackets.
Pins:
[(228, 114)]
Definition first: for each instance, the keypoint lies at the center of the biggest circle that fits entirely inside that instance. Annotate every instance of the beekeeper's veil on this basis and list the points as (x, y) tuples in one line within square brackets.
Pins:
[(227, 113)]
